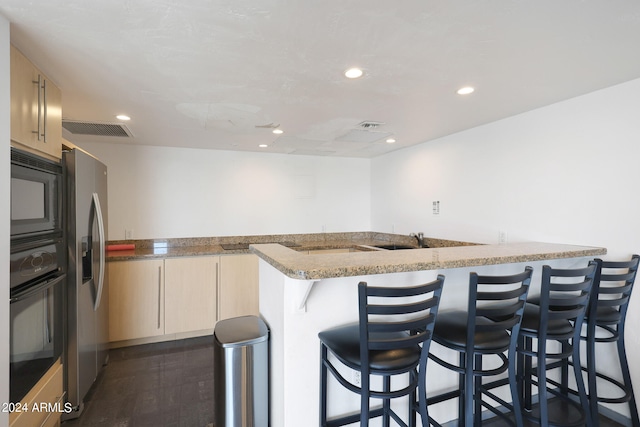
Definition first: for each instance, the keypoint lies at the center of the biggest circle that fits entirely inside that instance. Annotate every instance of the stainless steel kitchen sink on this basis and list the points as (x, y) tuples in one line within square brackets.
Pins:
[(393, 247)]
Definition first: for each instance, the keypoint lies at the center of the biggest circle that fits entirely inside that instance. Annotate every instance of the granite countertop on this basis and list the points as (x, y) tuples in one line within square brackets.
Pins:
[(321, 266), (229, 245)]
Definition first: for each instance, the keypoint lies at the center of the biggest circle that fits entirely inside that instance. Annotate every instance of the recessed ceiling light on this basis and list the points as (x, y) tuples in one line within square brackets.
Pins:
[(263, 145), (353, 73), (465, 90), (123, 117), (391, 141), (278, 131)]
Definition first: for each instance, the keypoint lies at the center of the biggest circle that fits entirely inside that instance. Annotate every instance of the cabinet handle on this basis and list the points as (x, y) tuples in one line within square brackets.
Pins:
[(159, 293), (39, 83), (58, 401), (44, 102), (218, 290), (47, 316)]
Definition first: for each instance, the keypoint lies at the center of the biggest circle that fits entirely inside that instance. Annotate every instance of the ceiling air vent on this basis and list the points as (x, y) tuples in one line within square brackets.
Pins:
[(366, 132), (96, 129), (370, 125)]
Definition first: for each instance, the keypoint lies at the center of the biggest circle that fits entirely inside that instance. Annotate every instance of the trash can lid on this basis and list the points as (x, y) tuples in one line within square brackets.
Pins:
[(241, 331)]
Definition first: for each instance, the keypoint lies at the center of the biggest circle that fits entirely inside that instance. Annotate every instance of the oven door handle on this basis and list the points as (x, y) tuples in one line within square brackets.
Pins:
[(96, 203), (32, 290)]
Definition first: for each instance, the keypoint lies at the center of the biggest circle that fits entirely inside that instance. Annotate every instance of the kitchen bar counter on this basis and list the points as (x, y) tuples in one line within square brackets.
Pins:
[(322, 266), (303, 294)]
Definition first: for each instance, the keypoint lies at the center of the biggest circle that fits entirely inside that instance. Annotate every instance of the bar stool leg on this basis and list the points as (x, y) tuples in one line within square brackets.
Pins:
[(626, 376), (386, 403), (582, 392), (515, 391), (527, 393), (591, 373), (478, 392), (543, 403), (364, 400), (422, 401), (564, 371), (468, 390), (323, 386)]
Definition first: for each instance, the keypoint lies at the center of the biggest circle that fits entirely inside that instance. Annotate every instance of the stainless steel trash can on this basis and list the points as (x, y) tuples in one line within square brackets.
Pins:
[(241, 372)]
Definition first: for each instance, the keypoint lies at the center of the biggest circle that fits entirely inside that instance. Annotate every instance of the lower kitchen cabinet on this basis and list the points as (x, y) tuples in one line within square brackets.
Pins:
[(238, 286), (163, 299), (43, 405), (190, 293), (136, 299)]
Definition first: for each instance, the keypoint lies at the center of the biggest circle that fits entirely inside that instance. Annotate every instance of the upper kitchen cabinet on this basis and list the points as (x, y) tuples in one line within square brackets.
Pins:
[(36, 108)]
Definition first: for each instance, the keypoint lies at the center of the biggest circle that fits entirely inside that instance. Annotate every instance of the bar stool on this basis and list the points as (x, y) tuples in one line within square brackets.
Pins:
[(557, 317), (605, 321), (475, 336), (391, 338)]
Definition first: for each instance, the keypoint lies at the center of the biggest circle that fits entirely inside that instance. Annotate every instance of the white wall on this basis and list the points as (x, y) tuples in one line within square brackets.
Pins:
[(5, 221), (162, 192), (566, 173)]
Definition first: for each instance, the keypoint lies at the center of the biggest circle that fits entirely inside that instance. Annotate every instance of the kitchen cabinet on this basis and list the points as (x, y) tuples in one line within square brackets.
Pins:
[(36, 108), (152, 298), (238, 286), (190, 293), (136, 299), (43, 405), (168, 298)]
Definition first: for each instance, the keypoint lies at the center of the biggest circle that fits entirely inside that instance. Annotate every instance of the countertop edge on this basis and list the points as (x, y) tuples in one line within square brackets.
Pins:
[(324, 266)]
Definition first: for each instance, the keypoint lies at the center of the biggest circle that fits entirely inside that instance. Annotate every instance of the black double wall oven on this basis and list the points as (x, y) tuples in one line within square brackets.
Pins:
[(38, 264)]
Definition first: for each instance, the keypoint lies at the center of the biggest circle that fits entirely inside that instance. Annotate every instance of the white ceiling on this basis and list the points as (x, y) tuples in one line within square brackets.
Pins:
[(217, 73)]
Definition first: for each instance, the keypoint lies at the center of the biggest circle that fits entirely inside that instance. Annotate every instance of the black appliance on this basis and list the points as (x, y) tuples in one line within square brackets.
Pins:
[(36, 339), (36, 196), (37, 271)]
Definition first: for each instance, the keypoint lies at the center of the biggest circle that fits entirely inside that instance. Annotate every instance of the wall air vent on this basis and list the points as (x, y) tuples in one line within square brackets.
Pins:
[(97, 129)]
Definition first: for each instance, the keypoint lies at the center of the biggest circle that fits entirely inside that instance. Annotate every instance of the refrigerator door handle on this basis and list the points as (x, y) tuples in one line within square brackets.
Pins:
[(96, 204)]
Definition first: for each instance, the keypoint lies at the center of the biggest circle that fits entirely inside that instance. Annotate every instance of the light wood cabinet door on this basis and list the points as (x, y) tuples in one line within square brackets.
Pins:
[(238, 286), (36, 108), (190, 293), (136, 299), (24, 90)]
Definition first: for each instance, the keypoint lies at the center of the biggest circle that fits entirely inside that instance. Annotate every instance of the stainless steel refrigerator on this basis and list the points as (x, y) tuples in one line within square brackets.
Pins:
[(87, 296)]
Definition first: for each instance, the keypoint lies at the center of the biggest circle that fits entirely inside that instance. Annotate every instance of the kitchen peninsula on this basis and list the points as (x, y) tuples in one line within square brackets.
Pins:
[(302, 294)]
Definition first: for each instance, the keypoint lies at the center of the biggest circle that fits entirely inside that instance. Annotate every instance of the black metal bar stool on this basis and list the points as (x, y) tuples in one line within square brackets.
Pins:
[(391, 338), (489, 328), (605, 321), (557, 316)]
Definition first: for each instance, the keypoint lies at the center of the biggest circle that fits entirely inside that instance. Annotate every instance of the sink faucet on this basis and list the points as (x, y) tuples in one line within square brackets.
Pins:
[(419, 237)]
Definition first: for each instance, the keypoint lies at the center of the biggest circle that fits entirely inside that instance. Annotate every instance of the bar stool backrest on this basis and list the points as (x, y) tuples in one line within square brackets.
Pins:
[(500, 298), (613, 284), (397, 317), (565, 296)]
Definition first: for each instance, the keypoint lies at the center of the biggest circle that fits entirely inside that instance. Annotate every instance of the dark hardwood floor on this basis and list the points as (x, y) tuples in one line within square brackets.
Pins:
[(167, 384)]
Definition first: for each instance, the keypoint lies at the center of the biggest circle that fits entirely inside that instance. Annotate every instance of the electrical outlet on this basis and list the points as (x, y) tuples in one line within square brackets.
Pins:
[(502, 236), (128, 234), (357, 380)]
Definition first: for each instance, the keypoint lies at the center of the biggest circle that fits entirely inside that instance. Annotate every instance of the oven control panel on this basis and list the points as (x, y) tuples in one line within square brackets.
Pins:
[(34, 261)]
